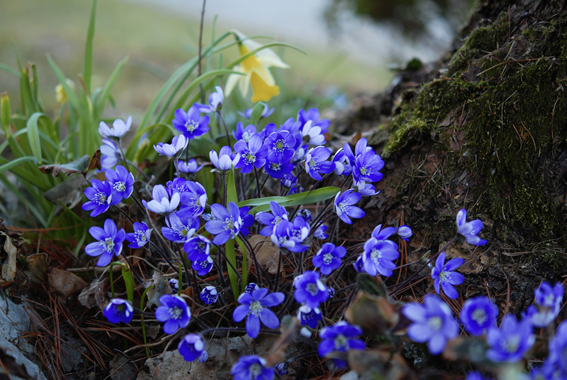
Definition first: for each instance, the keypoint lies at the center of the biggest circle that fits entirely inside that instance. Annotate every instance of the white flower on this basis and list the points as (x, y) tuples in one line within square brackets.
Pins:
[(314, 134), (119, 128), (161, 204)]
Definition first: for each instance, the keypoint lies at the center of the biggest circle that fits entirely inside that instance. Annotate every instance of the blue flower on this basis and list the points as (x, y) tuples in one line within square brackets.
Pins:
[(359, 264), (309, 289), (161, 204), (305, 214), (100, 197), (109, 242), (119, 128), (344, 159), (194, 200), (320, 232), (192, 347), (191, 124), (548, 304), (110, 154), (285, 235), (189, 167), (309, 316), (178, 185), (433, 323), (180, 228), (474, 375), (282, 368), (344, 206), (444, 276), (242, 133), (280, 145), (254, 307), (178, 143), (174, 285), (382, 234), (215, 102), (365, 189), (247, 114), (367, 167), (313, 133), (329, 258), (404, 232), (225, 159), (252, 367), (316, 162), (209, 295), (478, 314), (197, 248), (558, 347), (312, 115), (289, 181), (340, 337), (331, 293), (469, 230), (252, 154), (227, 225), (271, 220), (251, 287), (122, 182), (140, 236), (119, 310), (203, 266), (511, 341), (278, 167), (379, 257), (174, 312), (247, 220)]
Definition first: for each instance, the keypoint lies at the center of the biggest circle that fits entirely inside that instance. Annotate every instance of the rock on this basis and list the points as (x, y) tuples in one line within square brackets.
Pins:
[(352, 375), (13, 320), (17, 365)]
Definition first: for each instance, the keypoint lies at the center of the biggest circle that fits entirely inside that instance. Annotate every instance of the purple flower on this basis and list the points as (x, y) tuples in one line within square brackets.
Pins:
[(329, 258), (174, 285), (203, 266), (119, 128), (474, 375), (404, 232), (282, 368), (379, 257), (558, 347), (299, 230), (366, 189), (433, 323), (191, 124), (305, 214), (109, 242), (190, 167), (122, 182), (510, 342), (225, 159), (320, 232), (343, 159), (289, 181), (178, 143), (478, 314), (100, 197), (179, 228), (344, 206), (174, 312), (278, 167), (309, 289), (252, 154), (271, 220), (242, 133), (119, 310), (178, 185), (251, 287), (548, 304), (316, 162), (309, 316), (215, 102), (285, 235), (340, 337), (367, 167), (192, 347), (209, 295), (194, 200), (359, 265), (444, 276), (252, 367), (381, 234), (247, 114), (161, 204), (247, 220), (140, 236), (331, 293), (227, 225), (313, 133), (312, 115), (469, 230), (254, 307), (110, 154), (197, 248), (280, 145)]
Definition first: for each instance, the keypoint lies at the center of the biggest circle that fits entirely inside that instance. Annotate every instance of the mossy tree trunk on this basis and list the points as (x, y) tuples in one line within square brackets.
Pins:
[(483, 128)]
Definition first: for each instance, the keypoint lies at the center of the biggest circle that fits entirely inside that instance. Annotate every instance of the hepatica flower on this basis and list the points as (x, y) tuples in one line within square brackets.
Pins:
[(280, 145), (215, 102), (341, 337), (314, 134), (367, 167), (119, 128), (194, 200), (309, 289), (161, 204), (242, 133), (247, 114), (174, 285), (252, 367), (309, 316), (285, 235), (192, 347), (379, 257), (203, 266), (227, 223), (313, 115), (469, 229), (251, 287), (278, 167), (225, 159), (119, 310), (344, 206), (191, 124), (328, 258), (343, 160), (254, 307), (180, 228), (271, 220), (445, 277), (209, 295), (140, 236), (109, 242), (432, 323), (178, 143), (174, 311), (252, 154), (547, 304), (320, 232), (110, 154), (558, 346), (189, 167), (510, 342), (404, 232), (316, 162), (197, 248), (478, 314), (122, 182), (100, 197)]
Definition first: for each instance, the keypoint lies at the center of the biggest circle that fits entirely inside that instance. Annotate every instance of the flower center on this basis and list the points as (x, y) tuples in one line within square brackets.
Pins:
[(341, 343), (141, 236), (175, 312), (328, 258), (511, 344), (375, 256), (246, 136), (479, 316), (280, 145), (435, 323), (250, 157), (107, 244), (256, 308), (120, 187), (343, 207), (443, 275), (312, 289), (229, 224), (255, 370), (364, 170), (191, 125), (101, 198), (275, 166)]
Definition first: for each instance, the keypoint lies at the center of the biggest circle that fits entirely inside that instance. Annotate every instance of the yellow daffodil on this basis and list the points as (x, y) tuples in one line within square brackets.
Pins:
[(60, 94), (255, 70)]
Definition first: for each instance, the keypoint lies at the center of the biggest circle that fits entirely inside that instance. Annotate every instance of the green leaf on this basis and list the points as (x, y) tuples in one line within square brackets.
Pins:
[(33, 135), (319, 195), (129, 282), (14, 163), (5, 111), (28, 105), (68, 90), (101, 102), (231, 196), (244, 264), (88, 64), (257, 113), (9, 69)]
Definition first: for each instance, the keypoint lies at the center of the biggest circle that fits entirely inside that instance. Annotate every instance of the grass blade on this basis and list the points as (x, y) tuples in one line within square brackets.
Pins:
[(100, 103), (88, 64), (33, 135), (9, 69), (14, 163)]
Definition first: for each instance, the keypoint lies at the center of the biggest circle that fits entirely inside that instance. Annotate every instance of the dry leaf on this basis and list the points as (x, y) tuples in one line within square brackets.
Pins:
[(63, 283), (81, 165), (267, 254), (37, 268), (9, 266), (160, 286), (373, 314), (288, 328), (94, 294)]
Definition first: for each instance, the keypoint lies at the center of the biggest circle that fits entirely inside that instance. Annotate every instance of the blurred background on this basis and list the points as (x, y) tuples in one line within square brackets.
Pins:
[(349, 43)]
